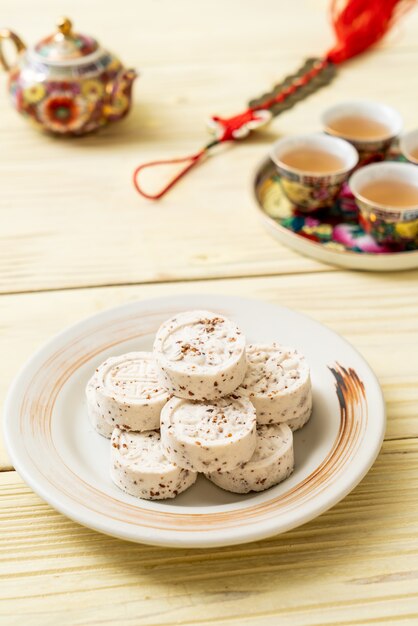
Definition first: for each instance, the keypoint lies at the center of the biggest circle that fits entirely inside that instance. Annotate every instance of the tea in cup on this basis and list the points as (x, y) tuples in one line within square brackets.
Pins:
[(387, 196), (409, 146), (313, 168), (370, 126)]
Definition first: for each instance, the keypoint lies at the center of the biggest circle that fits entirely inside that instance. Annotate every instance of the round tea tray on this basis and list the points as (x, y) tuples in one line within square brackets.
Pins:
[(331, 235)]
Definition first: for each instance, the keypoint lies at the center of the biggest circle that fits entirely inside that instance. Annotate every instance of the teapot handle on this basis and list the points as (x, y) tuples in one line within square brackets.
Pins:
[(6, 34)]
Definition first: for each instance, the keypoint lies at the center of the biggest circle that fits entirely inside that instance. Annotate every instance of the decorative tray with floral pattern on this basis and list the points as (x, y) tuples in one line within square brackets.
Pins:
[(331, 235)]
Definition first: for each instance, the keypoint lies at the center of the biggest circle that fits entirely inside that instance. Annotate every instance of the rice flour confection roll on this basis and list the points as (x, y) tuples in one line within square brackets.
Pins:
[(208, 436), (299, 422), (96, 416), (278, 383), (126, 392), (200, 355), (271, 463), (139, 467)]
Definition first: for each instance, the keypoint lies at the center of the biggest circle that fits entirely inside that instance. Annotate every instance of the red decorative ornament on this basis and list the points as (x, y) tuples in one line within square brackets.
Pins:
[(358, 25)]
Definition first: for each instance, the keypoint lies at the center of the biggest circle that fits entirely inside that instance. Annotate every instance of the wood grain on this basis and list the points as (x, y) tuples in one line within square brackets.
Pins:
[(70, 216), (71, 222), (377, 314), (356, 564)]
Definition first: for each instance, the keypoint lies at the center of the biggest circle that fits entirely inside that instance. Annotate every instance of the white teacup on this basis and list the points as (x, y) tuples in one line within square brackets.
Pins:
[(382, 122), (409, 146), (313, 188)]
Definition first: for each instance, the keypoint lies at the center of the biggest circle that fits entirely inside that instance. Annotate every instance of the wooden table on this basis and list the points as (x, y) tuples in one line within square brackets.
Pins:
[(76, 239)]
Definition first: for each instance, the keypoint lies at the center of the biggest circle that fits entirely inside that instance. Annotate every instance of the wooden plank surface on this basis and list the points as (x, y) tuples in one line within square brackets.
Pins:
[(75, 239), (377, 314), (354, 565), (70, 216)]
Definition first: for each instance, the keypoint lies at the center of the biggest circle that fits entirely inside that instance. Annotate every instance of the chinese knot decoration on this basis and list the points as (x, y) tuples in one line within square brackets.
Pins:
[(358, 24)]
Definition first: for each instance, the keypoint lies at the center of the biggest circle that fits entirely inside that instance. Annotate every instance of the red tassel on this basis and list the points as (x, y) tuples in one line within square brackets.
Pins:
[(359, 24)]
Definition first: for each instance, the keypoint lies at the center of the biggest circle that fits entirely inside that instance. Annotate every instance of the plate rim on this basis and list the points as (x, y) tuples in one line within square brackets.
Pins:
[(405, 260), (169, 537)]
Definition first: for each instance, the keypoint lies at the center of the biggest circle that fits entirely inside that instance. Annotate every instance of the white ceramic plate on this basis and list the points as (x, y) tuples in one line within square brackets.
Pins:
[(66, 462)]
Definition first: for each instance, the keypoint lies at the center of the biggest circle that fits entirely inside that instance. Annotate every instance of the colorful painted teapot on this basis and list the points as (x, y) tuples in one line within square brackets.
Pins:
[(67, 84)]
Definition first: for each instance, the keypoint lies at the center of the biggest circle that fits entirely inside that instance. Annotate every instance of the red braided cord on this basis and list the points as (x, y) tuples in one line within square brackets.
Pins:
[(191, 162), (228, 126)]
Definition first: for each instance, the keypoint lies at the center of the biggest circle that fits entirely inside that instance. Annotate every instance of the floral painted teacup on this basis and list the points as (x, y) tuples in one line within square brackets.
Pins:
[(313, 168), (409, 146), (370, 127), (387, 196)]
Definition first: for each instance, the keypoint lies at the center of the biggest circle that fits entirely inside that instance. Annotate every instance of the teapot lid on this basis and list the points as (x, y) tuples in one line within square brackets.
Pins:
[(65, 44)]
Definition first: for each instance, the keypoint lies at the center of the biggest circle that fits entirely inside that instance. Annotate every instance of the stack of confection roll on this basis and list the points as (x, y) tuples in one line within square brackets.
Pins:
[(201, 402)]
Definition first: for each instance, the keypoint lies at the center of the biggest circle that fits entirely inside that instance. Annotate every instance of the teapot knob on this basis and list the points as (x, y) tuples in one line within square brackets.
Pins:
[(64, 26)]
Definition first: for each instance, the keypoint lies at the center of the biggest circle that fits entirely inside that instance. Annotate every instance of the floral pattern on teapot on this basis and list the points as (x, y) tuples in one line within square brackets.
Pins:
[(68, 85)]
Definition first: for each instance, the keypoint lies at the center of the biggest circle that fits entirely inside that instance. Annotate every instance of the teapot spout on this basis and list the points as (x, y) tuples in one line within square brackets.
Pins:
[(119, 95)]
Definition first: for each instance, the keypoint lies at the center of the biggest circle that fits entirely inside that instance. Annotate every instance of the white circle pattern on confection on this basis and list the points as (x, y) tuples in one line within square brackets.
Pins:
[(273, 369), (133, 379), (207, 341)]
